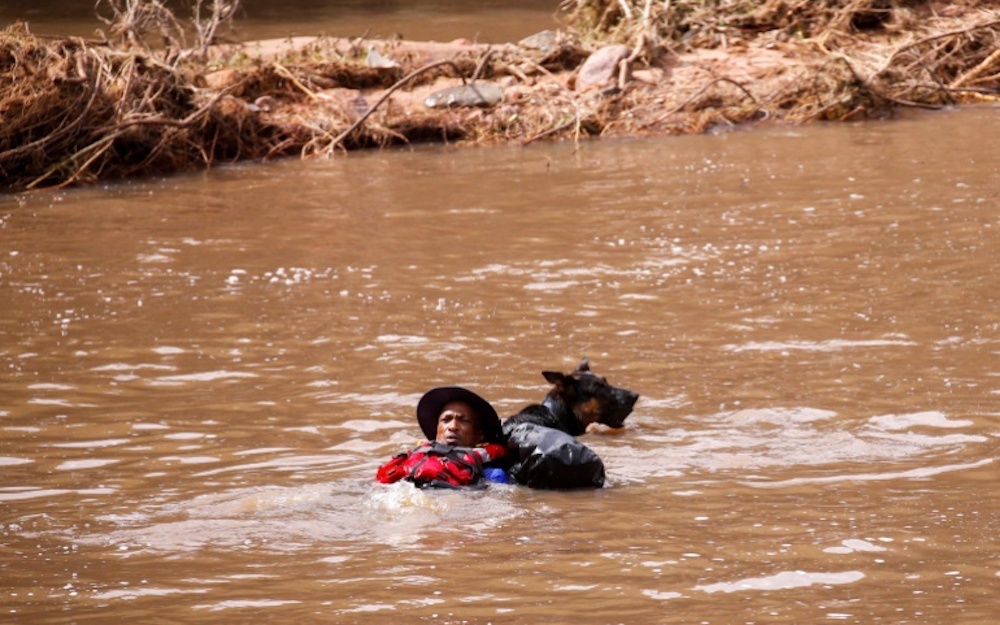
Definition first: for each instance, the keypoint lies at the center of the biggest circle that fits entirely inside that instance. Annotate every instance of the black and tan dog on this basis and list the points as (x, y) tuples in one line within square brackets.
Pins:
[(576, 400)]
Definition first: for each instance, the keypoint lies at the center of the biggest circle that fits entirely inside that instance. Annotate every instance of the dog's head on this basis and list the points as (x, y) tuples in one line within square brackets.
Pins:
[(590, 397)]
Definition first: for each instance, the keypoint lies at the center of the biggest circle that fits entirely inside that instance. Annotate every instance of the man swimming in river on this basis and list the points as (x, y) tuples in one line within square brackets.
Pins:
[(465, 443)]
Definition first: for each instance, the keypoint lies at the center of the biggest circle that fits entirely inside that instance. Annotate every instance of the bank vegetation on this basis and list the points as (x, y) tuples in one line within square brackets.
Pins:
[(155, 94)]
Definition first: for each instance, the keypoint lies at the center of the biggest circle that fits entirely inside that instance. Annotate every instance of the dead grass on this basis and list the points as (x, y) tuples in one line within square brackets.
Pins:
[(843, 59), (77, 112)]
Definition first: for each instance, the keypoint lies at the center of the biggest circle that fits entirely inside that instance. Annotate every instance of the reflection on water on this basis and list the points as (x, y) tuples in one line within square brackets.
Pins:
[(200, 375)]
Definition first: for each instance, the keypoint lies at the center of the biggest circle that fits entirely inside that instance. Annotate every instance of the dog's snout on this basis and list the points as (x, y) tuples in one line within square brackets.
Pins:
[(628, 398)]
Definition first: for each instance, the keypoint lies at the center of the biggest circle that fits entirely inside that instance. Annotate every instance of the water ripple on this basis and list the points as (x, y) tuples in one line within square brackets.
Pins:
[(920, 473), (784, 581), (202, 376), (833, 345)]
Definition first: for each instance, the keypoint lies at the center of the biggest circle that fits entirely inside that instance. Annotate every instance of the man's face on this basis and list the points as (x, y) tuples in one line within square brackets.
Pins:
[(459, 425)]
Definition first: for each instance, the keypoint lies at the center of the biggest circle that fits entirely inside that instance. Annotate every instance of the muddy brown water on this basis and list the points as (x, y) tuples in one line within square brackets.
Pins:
[(488, 21), (200, 374)]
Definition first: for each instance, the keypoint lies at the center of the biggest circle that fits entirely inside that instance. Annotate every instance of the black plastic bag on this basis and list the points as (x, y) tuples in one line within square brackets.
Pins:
[(549, 458)]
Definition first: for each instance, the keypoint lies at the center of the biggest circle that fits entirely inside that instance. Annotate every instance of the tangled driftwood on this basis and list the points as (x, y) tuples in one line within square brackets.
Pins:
[(75, 111)]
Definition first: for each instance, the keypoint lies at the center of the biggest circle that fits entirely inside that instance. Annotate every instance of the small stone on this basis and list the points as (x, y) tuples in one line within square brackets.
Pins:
[(600, 70), (480, 94), (545, 41)]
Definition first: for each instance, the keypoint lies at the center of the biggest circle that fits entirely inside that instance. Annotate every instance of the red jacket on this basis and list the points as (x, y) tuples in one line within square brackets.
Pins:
[(437, 464)]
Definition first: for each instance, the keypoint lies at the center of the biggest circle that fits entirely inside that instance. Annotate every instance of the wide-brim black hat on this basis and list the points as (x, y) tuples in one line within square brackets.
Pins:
[(430, 405)]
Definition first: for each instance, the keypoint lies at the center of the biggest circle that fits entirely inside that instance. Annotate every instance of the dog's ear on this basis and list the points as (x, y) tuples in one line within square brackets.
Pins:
[(554, 377), (584, 365)]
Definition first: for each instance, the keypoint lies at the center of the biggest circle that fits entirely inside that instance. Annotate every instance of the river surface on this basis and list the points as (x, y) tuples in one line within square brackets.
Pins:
[(486, 21), (200, 374)]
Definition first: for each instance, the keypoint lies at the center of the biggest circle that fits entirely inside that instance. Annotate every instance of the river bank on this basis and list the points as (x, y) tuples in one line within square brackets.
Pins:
[(77, 111)]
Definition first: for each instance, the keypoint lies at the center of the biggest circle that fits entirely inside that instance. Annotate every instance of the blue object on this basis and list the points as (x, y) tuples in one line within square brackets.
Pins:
[(495, 475)]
